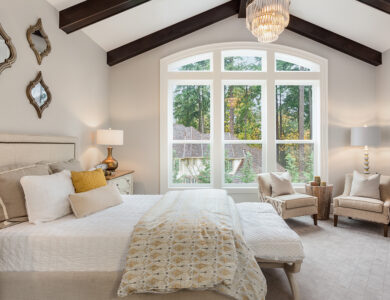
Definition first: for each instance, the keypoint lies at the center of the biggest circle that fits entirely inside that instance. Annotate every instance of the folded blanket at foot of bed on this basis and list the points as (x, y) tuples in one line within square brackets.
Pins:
[(192, 240)]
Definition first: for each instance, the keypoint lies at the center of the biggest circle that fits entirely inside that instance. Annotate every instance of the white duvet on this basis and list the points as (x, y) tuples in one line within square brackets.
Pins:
[(100, 242)]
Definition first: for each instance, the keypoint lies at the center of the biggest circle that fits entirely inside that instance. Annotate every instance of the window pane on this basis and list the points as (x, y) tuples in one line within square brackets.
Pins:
[(191, 112), (285, 62), (190, 163), (242, 120), (242, 163), (298, 160), (293, 112), (198, 63), (243, 60)]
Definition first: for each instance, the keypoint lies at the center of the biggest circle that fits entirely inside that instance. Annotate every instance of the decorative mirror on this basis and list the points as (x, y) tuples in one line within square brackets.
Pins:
[(39, 41), (39, 94), (7, 51)]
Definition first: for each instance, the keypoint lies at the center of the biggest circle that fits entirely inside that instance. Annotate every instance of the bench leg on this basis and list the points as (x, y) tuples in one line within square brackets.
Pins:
[(385, 230), (315, 218), (288, 269), (335, 220)]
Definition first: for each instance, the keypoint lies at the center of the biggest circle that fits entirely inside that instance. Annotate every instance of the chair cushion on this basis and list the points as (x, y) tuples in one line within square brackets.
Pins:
[(297, 200), (361, 203)]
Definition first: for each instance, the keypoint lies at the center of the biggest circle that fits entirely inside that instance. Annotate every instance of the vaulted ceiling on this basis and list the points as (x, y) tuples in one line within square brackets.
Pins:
[(350, 19)]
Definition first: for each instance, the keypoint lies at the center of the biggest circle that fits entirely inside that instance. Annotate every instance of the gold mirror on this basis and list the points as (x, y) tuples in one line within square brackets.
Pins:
[(7, 51), (39, 41), (39, 94)]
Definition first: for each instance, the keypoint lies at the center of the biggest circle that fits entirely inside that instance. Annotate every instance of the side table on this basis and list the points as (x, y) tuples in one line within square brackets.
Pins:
[(324, 195)]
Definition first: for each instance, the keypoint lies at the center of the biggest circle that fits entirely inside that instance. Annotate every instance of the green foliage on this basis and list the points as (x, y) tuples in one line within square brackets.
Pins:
[(287, 66), (203, 65), (204, 175), (248, 175), (243, 63)]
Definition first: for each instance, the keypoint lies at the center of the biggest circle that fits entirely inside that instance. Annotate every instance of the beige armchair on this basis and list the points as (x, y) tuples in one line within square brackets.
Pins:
[(368, 209), (287, 206)]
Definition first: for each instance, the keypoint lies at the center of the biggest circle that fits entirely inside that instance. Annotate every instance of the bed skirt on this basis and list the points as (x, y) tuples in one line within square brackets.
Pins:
[(80, 286)]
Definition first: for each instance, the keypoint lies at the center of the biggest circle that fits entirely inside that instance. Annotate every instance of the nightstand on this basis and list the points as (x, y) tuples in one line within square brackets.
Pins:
[(123, 180)]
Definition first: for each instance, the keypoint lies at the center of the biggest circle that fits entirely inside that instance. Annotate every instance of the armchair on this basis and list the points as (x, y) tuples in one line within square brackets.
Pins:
[(368, 209)]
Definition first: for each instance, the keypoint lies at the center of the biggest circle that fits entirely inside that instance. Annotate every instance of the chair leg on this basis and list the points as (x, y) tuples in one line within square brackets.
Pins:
[(315, 218), (385, 230), (335, 220)]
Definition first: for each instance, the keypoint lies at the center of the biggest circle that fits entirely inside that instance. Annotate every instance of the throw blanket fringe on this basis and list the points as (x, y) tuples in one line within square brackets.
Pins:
[(192, 240)]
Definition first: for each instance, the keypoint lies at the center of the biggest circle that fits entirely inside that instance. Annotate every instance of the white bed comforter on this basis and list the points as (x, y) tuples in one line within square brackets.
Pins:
[(100, 242)]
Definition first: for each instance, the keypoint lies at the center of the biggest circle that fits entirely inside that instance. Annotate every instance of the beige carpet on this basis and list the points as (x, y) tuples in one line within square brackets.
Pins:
[(351, 261)]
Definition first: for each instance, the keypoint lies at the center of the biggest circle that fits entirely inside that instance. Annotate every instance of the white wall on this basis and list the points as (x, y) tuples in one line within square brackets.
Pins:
[(134, 101), (382, 154), (75, 71)]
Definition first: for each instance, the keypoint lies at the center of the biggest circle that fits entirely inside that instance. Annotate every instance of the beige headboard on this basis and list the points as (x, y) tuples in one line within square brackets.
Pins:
[(15, 149)]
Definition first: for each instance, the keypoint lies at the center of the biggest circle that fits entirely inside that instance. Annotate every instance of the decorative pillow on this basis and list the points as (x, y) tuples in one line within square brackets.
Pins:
[(71, 165), (86, 203), (12, 201), (365, 185), (281, 184), (88, 180), (47, 196)]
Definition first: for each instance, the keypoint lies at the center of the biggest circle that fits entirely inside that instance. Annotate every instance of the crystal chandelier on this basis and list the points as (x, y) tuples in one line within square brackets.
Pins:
[(266, 19)]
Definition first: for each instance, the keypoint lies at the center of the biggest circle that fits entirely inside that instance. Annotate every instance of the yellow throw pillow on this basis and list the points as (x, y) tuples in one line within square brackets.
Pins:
[(88, 180)]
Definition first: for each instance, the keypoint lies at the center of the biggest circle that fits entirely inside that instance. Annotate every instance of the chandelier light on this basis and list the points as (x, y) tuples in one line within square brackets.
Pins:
[(267, 19)]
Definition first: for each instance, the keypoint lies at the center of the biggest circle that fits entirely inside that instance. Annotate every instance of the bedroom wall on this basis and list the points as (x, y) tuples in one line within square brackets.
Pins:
[(381, 155), (75, 71), (134, 101)]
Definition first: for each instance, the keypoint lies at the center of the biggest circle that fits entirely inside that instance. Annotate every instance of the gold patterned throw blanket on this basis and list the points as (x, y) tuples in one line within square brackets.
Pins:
[(192, 240)]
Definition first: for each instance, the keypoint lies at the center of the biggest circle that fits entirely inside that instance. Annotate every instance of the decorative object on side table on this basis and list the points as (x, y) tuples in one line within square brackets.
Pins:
[(38, 94), (123, 180), (364, 137), (110, 138), (324, 195)]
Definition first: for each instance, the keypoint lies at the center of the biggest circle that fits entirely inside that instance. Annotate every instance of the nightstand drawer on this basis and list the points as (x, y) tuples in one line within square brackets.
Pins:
[(124, 184)]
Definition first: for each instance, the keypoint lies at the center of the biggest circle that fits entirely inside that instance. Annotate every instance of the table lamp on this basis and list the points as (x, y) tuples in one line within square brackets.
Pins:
[(364, 137), (110, 138)]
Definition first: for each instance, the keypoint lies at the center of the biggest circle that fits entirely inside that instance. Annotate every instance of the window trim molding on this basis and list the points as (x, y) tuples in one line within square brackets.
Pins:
[(218, 76)]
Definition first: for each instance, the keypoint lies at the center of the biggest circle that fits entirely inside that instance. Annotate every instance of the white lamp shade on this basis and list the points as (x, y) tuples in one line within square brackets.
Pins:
[(109, 137), (365, 136)]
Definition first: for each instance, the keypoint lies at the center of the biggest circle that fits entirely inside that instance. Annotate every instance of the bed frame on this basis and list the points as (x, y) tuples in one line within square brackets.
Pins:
[(16, 149)]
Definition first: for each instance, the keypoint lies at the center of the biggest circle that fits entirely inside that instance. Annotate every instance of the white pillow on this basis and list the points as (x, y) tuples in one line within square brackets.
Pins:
[(47, 196), (365, 185), (281, 184), (87, 203)]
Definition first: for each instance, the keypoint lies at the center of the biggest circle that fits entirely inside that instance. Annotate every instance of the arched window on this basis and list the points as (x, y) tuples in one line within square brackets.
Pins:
[(230, 111)]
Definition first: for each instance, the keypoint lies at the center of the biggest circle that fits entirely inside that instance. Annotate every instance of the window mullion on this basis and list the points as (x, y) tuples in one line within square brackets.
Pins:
[(270, 118), (217, 121)]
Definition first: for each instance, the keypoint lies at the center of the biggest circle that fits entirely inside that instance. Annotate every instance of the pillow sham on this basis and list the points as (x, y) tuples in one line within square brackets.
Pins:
[(87, 203), (47, 196), (12, 201), (88, 180), (71, 165), (365, 185), (281, 184)]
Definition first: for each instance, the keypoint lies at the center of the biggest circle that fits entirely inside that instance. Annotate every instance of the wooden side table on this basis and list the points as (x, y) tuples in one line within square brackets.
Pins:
[(324, 195), (123, 180)]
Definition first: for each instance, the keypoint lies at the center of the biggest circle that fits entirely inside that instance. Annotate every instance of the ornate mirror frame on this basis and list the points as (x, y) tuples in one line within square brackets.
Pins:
[(32, 84), (10, 60), (30, 31)]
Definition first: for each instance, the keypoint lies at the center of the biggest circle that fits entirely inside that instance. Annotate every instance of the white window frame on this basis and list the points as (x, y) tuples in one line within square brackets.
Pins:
[(269, 78)]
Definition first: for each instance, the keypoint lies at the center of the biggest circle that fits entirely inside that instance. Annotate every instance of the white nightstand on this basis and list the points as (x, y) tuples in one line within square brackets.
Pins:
[(123, 180)]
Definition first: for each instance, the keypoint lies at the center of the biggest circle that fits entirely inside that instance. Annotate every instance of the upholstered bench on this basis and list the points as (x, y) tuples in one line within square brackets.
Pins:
[(287, 206)]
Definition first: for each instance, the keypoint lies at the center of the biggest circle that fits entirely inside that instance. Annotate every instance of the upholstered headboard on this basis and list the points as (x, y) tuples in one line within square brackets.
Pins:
[(25, 149)]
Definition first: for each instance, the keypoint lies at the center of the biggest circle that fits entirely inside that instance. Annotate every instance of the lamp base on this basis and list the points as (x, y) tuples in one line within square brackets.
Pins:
[(112, 163)]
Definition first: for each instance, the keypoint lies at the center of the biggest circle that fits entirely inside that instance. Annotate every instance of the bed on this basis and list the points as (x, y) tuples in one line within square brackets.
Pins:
[(83, 258)]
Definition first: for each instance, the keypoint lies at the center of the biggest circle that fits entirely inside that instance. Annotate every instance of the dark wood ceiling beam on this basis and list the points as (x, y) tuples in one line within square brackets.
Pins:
[(334, 40), (91, 11), (242, 12), (383, 5), (173, 32)]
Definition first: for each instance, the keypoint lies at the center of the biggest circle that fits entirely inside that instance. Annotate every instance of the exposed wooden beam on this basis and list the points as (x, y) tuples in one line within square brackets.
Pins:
[(242, 12), (383, 5), (173, 32), (335, 41), (91, 11)]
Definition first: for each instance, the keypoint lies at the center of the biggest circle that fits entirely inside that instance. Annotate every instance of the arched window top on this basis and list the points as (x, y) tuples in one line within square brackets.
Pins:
[(197, 63), (289, 63), (244, 60)]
